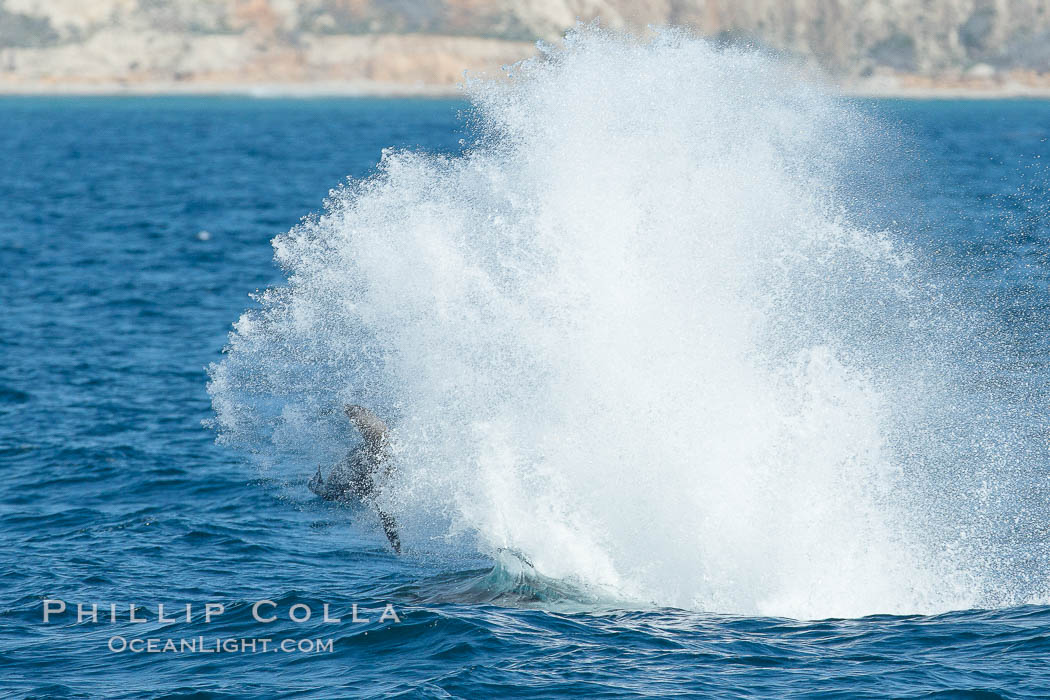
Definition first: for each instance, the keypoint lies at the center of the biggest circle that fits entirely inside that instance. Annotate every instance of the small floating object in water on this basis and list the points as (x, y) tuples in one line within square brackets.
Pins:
[(203, 236)]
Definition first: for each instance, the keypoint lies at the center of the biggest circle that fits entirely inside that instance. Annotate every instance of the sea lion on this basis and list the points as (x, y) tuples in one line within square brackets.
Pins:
[(355, 477)]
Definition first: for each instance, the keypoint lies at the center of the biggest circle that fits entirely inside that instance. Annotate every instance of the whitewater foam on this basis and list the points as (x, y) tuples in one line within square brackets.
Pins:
[(635, 333)]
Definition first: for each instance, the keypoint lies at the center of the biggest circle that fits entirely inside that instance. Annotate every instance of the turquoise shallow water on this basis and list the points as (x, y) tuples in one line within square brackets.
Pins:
[(113, 304)]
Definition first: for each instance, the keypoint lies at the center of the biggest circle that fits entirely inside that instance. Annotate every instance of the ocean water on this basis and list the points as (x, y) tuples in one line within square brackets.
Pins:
[(703, 382)]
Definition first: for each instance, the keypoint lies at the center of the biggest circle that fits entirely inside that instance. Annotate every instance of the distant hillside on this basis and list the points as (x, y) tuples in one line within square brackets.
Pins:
[(424, 45)]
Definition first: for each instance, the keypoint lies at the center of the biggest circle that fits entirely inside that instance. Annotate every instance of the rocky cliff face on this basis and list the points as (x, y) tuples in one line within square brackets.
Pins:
[(421, 45)]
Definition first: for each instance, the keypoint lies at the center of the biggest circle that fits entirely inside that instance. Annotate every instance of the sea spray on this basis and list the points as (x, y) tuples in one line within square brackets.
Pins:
[(636, 333)]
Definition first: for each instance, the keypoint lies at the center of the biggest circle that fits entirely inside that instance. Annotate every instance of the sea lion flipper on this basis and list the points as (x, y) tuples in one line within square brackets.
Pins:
[(390, 528), (316, 483)]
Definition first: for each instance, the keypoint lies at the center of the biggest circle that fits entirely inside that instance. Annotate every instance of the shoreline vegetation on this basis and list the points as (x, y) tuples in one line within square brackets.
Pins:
[(316, 48)]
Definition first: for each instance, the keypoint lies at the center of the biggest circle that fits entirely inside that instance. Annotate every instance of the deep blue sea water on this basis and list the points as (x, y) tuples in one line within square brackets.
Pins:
[(113, 304)]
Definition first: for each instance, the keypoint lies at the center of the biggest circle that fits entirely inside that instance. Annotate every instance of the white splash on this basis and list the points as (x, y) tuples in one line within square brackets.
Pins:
[(634, 335)]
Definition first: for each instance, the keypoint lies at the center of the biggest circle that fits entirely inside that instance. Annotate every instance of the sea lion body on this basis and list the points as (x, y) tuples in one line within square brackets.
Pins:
[(355, 477), (350, 479)]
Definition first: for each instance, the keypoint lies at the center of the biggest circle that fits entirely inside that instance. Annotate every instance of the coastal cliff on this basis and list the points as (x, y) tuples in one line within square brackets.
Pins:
[(424, 46)]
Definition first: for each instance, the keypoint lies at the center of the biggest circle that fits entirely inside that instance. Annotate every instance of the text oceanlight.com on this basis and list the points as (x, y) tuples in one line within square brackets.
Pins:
[(218, 645), (262, 611)]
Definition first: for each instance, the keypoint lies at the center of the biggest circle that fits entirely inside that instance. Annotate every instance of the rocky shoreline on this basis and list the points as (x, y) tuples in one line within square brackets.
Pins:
[(945, 48)]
